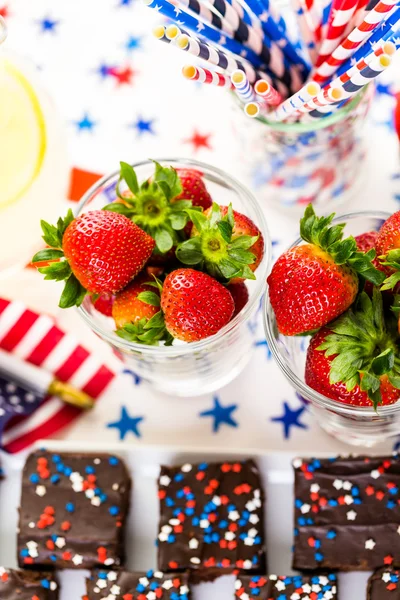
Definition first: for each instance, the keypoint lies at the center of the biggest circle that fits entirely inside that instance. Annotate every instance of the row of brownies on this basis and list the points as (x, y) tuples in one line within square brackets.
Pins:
[(74, 509)]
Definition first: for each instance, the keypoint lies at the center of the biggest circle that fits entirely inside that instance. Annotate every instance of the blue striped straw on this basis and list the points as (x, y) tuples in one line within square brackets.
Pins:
[(242, 86), (386, 31), (181, 17), (271, 30)]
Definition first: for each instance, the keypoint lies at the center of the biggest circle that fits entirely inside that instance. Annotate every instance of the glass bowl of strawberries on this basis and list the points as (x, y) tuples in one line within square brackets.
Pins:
[(332, 322), (167, 262)]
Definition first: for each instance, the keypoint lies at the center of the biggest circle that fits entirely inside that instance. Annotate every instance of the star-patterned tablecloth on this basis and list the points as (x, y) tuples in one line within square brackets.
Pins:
[(121, 97)]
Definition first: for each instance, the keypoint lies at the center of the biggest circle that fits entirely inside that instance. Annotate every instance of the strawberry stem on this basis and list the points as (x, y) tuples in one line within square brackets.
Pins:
[(365, 348), (319, 232)]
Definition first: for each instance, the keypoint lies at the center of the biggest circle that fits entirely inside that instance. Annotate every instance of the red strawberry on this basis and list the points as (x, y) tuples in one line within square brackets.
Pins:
[(104, 304), (389, 235), (370, 373), (194, 188), (195, 305), (240, 295), (313, 283), (137, 315), (366, 241), (128, 308), (224, 243), (103, 251), (154, 205)]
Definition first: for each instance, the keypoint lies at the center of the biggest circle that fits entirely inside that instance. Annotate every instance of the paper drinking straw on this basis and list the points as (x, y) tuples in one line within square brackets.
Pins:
[(206, 76), (159, 33), (207, 16), (271, 29), (361, 78), (242, 86), (291, 105), (194, 24), (267, 92), (214, 56), (172, 32), (387, 30), (354, 40), (357, 82), (388, 48), (341, 13), (321, 112), (306, 30), (325, 97), (252, 109)]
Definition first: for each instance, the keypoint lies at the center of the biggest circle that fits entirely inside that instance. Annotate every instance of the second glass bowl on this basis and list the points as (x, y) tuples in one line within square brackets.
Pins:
[(353, 425)]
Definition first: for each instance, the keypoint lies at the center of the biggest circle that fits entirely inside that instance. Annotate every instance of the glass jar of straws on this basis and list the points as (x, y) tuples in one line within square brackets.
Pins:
[(320, 161)]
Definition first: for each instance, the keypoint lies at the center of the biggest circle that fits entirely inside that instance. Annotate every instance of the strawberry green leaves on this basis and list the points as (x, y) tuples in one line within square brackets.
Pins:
[(319, 231), (73, 292), (151, 205), (364, 348), (213, 247), (148, 331)]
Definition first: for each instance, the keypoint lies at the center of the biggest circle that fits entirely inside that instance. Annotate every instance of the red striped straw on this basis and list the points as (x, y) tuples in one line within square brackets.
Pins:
[(205, 76), (388, 48), (355, 39), (341, 13), (267, 93), (327, 96)]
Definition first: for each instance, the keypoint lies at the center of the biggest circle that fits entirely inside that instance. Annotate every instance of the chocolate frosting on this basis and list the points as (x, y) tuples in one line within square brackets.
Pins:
[(73, 510), (347, 513)]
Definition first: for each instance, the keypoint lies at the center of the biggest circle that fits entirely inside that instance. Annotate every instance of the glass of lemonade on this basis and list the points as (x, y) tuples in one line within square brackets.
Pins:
[(34, 169), (188, 369)]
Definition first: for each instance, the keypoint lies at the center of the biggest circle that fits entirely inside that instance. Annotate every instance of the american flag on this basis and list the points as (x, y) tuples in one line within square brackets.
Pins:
[(37, 339)]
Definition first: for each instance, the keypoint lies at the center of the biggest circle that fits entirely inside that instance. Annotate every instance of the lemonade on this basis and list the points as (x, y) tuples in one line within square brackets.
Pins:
[(33, 163)]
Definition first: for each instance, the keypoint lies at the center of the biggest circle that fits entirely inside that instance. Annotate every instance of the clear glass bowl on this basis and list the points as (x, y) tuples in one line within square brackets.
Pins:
[(200, 367), (357, 426), (318, 161)]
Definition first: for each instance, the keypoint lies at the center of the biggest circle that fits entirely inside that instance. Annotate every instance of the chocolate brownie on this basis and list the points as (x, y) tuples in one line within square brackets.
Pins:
[(73, 511), (347, 513), (26, 585), (211, 519), (294, 587), (124, 585), (384, 584)]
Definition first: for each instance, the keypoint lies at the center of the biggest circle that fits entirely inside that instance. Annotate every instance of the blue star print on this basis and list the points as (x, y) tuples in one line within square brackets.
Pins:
[(289, 419), (126, 424), (125, 2), (221, 415), (264, 344), (104, 70), (143, 126), (85, 123), (48, 24), (133, 43), (136, 378), (382, 88)]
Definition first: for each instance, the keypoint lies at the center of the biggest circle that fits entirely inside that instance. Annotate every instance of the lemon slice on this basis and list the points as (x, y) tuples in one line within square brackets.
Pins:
[(22, 134)]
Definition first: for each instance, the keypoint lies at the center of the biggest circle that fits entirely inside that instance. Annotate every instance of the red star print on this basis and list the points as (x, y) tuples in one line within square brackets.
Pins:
[(123, 76), (199, 141), (4, 11)]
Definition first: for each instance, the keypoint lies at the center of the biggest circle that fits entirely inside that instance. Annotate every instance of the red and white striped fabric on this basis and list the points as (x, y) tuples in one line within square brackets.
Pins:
[(37, 339), (341, 13), (354, 40)]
